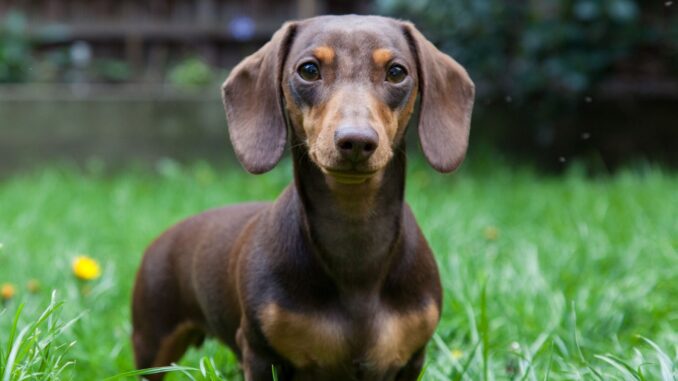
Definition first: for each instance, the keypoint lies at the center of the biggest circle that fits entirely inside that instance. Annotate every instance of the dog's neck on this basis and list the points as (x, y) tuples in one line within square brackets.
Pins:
[(353, 229)]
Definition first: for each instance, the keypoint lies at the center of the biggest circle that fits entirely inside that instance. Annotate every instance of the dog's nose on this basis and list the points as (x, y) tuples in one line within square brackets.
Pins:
[(356, 144)]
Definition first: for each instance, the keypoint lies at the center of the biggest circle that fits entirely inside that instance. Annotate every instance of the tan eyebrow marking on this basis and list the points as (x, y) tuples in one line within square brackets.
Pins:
[(324, 54), (381, 56)]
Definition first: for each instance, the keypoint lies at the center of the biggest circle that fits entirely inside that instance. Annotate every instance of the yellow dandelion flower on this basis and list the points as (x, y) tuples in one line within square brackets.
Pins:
[(86, 268), (457, 354), (491, 233), (33, 286), (7, 291)]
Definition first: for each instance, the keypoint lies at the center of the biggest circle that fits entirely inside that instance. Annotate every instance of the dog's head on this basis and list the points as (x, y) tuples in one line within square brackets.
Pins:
[(348, 85)]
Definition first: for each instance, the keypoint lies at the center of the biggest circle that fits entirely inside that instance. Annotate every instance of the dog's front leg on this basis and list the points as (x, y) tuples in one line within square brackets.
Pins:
[(411, 371), (256, 365), (256, 368)]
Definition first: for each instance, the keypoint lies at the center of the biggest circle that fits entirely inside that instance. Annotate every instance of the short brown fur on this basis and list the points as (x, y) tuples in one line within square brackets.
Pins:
[(334, 280)]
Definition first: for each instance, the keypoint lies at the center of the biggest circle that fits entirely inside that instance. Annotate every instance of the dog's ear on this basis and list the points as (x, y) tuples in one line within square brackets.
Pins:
[(447, 94), (252, 97)]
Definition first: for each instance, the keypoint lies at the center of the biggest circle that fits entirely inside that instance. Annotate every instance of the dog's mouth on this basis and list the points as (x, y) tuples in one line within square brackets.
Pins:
[(348, 177)]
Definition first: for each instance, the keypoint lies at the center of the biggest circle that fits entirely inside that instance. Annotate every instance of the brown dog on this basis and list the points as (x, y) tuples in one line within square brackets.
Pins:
[(333, 280)]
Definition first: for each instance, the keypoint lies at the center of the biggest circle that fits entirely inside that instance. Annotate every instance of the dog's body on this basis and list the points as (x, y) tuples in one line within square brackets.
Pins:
[(333, 280)]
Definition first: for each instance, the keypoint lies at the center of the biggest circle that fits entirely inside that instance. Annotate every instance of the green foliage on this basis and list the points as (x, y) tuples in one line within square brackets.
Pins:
[(191, 72), (112, 70), (36, 350), (15, 49), (553, 48), (568, 278)]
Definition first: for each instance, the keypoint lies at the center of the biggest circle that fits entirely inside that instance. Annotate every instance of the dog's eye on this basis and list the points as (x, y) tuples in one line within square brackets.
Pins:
[(396, 74), (309, 71)]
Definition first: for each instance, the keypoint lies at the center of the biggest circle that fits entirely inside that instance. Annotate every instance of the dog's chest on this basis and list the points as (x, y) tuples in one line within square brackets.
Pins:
[(381, 340)]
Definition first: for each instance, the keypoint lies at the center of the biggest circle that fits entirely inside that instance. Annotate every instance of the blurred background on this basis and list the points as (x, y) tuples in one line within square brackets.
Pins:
[(587, 81)]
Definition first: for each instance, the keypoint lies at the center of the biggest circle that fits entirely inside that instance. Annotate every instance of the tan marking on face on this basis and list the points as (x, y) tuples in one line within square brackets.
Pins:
[(406, 113), (401, 335), (304, 339), (381, 56), (294, 111), (387, 120), (325, 54), (319, 125)]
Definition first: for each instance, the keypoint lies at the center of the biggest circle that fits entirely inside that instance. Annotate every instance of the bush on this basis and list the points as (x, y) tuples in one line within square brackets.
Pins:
[(529, 49), (15, 49), (191, 72), (547, 73)]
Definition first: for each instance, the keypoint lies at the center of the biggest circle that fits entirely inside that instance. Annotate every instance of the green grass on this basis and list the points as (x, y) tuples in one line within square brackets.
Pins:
[(546, 278)]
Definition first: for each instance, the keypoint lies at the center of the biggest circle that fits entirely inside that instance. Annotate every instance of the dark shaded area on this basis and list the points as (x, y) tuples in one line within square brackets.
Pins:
[(602, 135)]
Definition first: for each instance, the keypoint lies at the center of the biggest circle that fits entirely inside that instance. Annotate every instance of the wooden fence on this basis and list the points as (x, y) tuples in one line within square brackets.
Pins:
[(149, 34)]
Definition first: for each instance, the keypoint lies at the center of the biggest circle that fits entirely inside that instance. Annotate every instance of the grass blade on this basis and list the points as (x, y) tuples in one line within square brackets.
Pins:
[(665, 364), (143, 372), (13, 353), (485, 332), (620, 365), (421, 374)]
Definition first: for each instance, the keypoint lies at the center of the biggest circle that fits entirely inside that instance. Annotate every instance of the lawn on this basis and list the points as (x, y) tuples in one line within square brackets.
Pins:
[(546, 277)]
